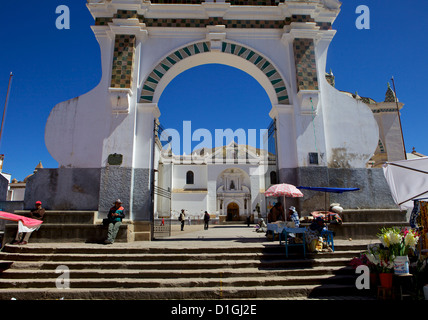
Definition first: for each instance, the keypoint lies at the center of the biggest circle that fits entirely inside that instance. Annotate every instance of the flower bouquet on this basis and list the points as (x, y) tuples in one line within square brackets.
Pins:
[(399, 243), (380, 258)]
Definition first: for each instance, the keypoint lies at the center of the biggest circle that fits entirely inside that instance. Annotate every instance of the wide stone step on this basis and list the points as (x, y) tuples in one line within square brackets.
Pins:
[(65, 217), (180, 265), (373, 215), (362, 230), (173, 273), (236, 281), (64, 257), (217, 292), (64, 233), (76, 248)]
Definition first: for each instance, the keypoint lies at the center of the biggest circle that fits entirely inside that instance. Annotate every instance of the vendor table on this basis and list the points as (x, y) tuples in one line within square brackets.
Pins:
[(286, 232), (278, 227)]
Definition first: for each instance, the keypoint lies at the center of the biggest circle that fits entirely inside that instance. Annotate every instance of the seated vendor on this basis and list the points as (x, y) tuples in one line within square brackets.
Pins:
[(313, 235), (276, 213), (261, 226), (293, 222), (293, 218)]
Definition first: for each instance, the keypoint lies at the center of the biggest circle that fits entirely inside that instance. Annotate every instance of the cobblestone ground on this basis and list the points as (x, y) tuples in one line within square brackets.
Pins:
[(230, 232)]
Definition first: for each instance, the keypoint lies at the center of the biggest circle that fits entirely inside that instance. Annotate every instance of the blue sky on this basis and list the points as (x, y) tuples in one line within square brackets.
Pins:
[(51, 66)]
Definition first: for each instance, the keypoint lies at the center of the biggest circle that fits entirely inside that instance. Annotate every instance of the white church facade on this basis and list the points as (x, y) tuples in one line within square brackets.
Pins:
[(217, 181)]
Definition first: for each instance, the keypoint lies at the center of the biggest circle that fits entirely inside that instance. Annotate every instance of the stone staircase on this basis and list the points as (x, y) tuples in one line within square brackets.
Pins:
[(78, 226), (253, 271)]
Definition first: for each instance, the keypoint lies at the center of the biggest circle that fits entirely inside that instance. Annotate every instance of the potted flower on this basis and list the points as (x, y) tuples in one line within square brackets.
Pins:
[(380, 257)]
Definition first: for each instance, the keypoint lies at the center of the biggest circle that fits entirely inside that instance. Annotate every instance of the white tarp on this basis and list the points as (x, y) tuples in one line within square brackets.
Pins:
[(408, 180)]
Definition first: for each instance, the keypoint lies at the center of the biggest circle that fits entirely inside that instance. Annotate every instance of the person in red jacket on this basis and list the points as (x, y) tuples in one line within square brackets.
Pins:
[(115, 216), (37, 213)]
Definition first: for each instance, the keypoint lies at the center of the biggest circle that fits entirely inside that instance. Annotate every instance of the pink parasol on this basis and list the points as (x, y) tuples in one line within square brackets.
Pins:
[(28, 222), (284, 190)]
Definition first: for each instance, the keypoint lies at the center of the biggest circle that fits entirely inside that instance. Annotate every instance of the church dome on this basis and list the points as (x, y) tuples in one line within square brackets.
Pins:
[(39, 166)]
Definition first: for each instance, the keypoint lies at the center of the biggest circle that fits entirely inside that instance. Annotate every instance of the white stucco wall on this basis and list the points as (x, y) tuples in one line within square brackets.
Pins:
[(194, 204), (351, 130), (199, 174)]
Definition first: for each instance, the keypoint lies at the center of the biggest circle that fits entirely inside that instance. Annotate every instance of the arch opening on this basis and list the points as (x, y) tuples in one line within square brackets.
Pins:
[(234, 90), (218, 105)]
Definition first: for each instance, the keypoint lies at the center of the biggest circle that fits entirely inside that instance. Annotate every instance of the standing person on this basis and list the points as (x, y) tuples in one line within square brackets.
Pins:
[(206, 220), (24, 233), (181, 219), (248, 219), (189, 219), (115, 216)]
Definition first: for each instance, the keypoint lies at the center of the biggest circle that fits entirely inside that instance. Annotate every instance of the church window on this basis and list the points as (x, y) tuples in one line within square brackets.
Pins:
[(313, 158), (190, 177)]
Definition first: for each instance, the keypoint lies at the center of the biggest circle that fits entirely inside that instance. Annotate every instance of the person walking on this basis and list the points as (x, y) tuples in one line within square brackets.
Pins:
[(182, 219), (115, 216), (206, 220)]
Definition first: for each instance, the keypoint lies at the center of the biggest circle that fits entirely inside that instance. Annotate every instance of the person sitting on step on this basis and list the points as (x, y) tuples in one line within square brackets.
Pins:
[(115, 216), (23, 234)]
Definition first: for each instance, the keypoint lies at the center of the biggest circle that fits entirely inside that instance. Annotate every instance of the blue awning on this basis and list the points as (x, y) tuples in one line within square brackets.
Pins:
[(328, 189)]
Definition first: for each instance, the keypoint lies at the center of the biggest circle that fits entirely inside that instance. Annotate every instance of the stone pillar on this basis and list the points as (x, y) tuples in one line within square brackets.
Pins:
[(118, 170), (286, 142), (143, 171)]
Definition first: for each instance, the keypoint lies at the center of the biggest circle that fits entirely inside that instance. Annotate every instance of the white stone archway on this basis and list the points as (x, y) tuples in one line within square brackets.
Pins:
[(283, 44)]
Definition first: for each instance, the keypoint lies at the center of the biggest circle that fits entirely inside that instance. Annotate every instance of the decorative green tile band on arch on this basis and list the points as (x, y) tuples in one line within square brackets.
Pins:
[(149, 86), (211, 21)]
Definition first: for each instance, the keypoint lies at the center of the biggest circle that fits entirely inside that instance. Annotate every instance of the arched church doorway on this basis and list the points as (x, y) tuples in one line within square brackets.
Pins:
[(233, 212)]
